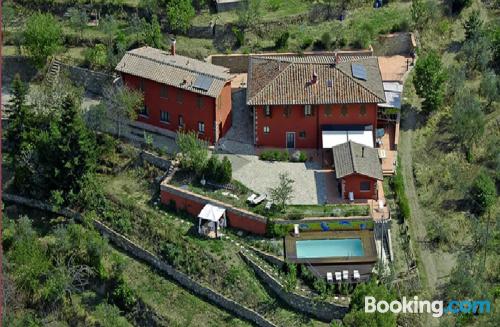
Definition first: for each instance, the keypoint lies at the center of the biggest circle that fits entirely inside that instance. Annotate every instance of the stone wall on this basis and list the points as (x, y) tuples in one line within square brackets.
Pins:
[(192, 203), (272, 259), (157, 161), (320, 310), (93, 81), (136, 251), (238, 63)]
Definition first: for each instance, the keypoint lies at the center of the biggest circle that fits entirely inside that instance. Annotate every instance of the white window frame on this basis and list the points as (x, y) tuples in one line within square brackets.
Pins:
[(308, 110), (266, 129), (201, 127), (161, 116)]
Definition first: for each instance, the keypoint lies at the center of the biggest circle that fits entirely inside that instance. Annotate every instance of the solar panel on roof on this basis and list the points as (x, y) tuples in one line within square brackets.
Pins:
[(203, 82), (359, 71)]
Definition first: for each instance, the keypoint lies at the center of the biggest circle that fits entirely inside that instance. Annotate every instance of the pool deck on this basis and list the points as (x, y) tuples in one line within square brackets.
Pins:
[(366, 236)]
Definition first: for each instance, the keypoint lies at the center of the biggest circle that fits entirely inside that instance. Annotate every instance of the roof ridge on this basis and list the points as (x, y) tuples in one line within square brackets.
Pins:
[(352, 156), (179, 66), (361, 85)]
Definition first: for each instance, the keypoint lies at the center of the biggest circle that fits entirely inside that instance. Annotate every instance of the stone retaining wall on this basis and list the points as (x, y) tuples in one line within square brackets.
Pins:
[(155, 160), (136, 251), (320, 310), (272, 259), (193, 203), (93, 81), (238, 63)]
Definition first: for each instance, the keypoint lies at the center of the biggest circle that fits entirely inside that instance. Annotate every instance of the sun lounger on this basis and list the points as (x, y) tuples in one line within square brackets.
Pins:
[(356, 275), (259, 199), (296, 230), (329, 277), (252, 197), (345, 274), (338, 276)]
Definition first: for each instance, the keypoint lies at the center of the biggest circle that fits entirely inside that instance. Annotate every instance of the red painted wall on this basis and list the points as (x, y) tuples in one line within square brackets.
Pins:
[(279, 123), (352, 184), (181, 102), (234, 220), (223, 113)]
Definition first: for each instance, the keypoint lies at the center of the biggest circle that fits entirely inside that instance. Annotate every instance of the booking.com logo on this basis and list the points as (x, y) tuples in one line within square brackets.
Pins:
[(437, 308)]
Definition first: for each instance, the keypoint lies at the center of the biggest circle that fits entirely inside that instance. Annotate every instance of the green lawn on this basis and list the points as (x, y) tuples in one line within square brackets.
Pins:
[(175, 304)]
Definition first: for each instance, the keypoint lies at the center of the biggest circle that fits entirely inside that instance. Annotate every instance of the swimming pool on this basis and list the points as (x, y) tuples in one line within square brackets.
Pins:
[(342, 247)]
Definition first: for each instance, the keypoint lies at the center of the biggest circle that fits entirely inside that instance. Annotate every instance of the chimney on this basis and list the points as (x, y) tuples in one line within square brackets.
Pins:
[(172, 47), (314, 78)]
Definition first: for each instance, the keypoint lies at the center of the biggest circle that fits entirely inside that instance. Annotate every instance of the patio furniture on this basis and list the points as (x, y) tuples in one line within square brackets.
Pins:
[(269, 205), (345, 274), (252, 197), (338, 276), (329, 277), (382, 154), (296, 230), (356, 275)]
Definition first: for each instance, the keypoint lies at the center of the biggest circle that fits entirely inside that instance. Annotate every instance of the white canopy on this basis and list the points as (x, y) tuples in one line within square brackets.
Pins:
[(211, 212), (333, 138)]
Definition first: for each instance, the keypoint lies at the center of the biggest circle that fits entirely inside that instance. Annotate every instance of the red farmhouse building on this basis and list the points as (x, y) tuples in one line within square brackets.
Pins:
[(179, 92), (357, 168), (314, 101)]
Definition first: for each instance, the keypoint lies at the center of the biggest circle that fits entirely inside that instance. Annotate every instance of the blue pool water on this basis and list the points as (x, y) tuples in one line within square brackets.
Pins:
[(345, 247)]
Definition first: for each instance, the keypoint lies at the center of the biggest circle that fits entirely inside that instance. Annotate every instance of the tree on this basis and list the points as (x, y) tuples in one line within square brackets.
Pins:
[(490, 88), (150, 6), (179, 14), (357, 317), (476, 54), (42, 37), (78, 19), (282, 193), (193, 152), (456, 6), (97, 56), (20, 118), (67, 151), (483, 193), (122, 104), (225, 171), (249, 13), (152, 34), (467, 120), (8, 14), (473, 25), (419, 14), (429, 81)]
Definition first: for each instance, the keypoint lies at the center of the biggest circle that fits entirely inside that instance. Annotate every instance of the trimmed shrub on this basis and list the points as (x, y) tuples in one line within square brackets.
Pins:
[(274, 155), (281, 41), (225, 171), (483, 193)]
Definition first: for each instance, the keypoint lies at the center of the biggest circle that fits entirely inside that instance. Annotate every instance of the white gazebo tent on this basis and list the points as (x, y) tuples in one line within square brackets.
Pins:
[(210, 220)]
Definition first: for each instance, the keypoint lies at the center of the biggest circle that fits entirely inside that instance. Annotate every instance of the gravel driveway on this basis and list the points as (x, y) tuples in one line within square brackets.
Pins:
[(312, 184)]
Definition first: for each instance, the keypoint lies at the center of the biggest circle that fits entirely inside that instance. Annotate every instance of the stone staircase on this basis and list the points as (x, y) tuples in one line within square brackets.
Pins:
[(53, 72)]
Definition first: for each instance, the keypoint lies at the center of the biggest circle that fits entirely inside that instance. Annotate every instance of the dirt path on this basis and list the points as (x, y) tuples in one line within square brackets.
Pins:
[(416, 223)]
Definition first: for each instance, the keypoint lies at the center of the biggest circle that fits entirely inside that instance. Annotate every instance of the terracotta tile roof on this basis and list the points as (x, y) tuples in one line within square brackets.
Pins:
[(281, 80), (354, 158), (179, 71)]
